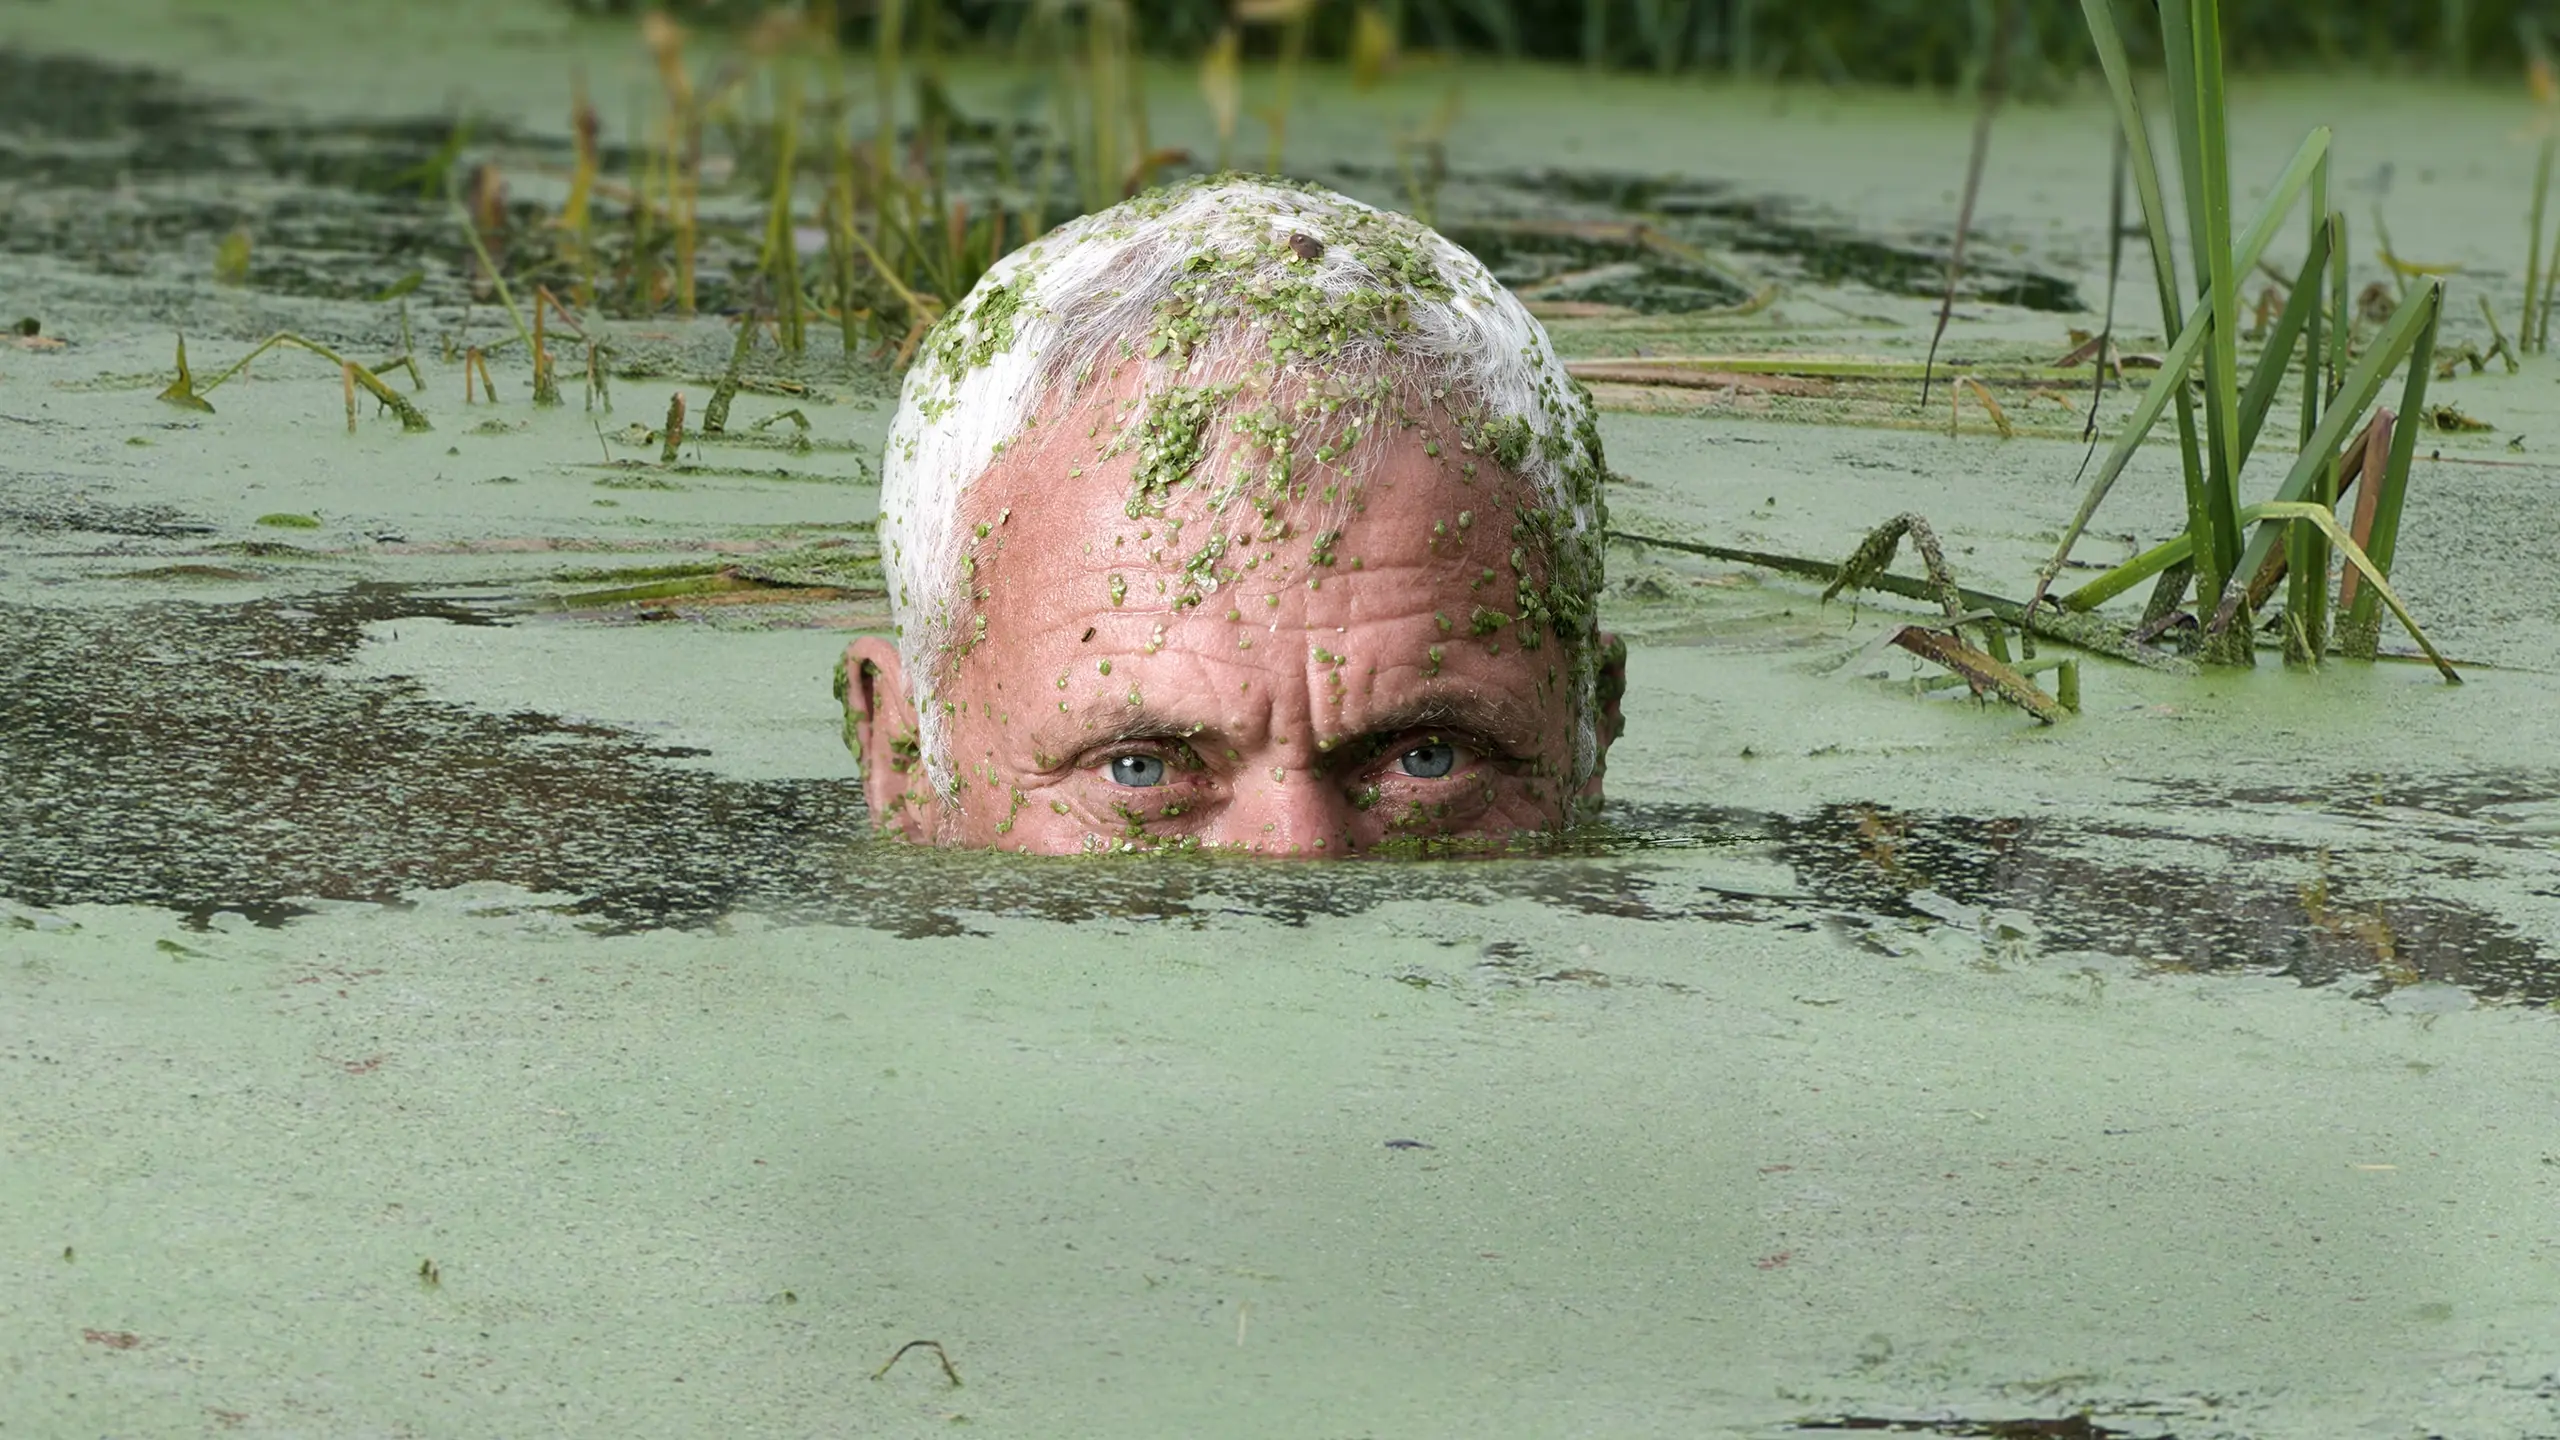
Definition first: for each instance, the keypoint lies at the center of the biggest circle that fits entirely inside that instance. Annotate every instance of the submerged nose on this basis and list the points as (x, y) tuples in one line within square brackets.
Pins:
[(1289, 812)]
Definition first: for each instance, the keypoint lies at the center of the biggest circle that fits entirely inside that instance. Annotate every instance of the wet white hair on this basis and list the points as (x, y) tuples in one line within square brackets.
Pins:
[(1222, 281)]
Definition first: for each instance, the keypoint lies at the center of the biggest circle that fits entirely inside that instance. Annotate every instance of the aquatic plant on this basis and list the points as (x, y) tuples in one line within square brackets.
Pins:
[(2229, 556), (2533, 330), (186, 394), (902, 241)]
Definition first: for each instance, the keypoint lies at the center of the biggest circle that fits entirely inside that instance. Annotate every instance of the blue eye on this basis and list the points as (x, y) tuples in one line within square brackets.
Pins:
[(1428, 762), (1136, 771)]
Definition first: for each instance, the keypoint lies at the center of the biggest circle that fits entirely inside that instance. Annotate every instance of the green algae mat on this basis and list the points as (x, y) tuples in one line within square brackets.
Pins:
[(447, 986)]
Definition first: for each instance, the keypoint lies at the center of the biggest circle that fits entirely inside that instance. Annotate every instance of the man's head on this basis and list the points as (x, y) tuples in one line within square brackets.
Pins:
[(1238, 514)]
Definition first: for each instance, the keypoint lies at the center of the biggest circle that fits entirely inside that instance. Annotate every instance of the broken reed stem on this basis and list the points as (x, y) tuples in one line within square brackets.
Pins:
[(672, 437), (187, 393), (417, 377), (1877, 550), (2086, 631), (1981, 392), (715, 416), (2499, 345), (347, 374), (546, 388), (1985, 674)]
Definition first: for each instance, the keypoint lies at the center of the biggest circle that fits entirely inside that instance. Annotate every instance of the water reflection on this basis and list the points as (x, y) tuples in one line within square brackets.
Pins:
[(207, 757)]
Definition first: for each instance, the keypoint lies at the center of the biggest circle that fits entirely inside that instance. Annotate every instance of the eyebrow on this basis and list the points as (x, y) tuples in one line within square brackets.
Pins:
[(1141, 723), (1496, 717), (1501, 720)]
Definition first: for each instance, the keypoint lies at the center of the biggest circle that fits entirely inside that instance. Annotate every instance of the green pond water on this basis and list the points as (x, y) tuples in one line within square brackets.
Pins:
[(432, 1003)]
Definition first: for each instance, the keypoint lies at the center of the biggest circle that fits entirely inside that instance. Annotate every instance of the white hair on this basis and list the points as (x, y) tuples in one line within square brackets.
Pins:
[(1213, 288)]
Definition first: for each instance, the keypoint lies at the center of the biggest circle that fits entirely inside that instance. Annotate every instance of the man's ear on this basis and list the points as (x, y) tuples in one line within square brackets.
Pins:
[(1613, 688), (880, 728), (1611, 692)]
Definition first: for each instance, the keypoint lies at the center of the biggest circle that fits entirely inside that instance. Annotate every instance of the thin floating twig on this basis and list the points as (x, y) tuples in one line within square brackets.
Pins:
[(2086, 631), (950, 1371)]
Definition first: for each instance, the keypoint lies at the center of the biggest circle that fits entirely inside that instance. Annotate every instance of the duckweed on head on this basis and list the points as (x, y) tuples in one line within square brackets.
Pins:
[(1259, 341)]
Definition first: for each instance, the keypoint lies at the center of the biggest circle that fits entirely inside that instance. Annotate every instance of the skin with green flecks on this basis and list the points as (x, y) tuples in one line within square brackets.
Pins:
[(1229, 359), (1303, 677)]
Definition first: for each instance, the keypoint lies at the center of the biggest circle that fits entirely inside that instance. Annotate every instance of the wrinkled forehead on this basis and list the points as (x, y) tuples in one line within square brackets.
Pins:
[(1068, 506), (1294, 449)]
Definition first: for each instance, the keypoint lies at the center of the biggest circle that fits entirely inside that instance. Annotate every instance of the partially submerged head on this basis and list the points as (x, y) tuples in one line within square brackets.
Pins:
[(1243, 514)]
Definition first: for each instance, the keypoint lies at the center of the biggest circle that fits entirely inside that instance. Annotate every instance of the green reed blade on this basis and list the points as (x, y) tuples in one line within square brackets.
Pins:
[(2306, 601), (2326, 234), (2163, 556), (2377, 588), (2129, 574), (2409, 335), (2534, 279), (2308, 162), (2408, 331), (2551, 270), (2171, 381), (2118, 67), (2359, 628), (2307, 548), (2308, 169), (2275, 360), (2342, 316), (2192, 37)]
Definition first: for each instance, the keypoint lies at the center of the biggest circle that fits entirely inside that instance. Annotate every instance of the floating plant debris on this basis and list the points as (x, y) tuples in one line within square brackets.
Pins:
[(139, 783)]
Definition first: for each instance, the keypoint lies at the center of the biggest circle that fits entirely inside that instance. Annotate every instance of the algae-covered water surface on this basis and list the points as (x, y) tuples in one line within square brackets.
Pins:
[(448, 984)]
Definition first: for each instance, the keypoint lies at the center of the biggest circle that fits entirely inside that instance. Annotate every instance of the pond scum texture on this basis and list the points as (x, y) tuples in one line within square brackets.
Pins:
[(445, 986)]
